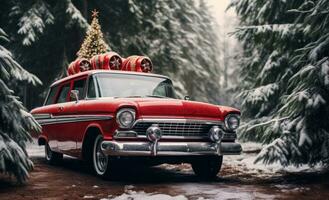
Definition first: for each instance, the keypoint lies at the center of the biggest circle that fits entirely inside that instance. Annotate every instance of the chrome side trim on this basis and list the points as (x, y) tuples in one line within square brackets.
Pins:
[(179, 120), (44, 120), (41, 116)]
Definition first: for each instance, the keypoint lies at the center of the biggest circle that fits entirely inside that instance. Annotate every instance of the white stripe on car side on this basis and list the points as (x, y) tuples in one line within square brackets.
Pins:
[(45, 119)]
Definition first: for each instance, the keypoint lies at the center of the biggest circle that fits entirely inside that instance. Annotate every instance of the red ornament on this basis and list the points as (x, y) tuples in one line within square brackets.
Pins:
[(138, 64), (110, 60), (79, 65)]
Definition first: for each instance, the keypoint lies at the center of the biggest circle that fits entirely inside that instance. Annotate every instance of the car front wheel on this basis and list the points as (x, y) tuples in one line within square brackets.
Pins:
[(207, 167), (52, 157), (100, 160)]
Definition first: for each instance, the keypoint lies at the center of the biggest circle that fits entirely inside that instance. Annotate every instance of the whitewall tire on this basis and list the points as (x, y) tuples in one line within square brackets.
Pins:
[(100, 160), (52, 157)]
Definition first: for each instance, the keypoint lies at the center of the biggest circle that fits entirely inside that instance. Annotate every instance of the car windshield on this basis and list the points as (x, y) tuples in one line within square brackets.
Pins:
[(130, 85)]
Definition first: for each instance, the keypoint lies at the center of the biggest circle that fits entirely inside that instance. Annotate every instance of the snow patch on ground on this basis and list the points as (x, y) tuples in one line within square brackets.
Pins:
[(292, 188), (141, 195), (220, 192), (244, 163), (34, 150), (88, 197), (251, 147), (131, 193)]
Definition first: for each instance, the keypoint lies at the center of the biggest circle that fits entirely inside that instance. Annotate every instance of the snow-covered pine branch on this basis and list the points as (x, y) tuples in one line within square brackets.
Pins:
[(33, 21), (282, 31), (75, 16), (15, 122), (286, 46)]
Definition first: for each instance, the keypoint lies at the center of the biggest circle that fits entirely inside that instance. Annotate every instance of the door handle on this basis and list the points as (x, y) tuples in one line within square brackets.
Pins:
[(61, 108)]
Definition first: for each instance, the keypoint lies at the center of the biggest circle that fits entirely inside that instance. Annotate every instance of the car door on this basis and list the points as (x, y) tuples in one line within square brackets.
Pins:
[(48, 110), (78, 128), (64, 118)]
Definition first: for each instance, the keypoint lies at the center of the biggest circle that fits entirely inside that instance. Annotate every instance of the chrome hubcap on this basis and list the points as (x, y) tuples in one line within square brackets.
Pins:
[(100, 159)]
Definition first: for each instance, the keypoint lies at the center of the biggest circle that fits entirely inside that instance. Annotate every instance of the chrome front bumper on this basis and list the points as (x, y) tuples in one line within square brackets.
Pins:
[(125, 148)]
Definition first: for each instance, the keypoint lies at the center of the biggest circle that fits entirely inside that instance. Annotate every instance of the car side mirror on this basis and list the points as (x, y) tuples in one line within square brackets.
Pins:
[(187, 98), (75, 95)]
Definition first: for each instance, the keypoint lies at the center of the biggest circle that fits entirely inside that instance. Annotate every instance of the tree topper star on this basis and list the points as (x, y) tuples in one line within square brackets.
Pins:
[(94, 13)]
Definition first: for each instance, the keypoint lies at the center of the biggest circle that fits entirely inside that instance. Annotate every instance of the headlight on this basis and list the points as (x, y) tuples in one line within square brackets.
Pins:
[(232, 122), (126, 117)]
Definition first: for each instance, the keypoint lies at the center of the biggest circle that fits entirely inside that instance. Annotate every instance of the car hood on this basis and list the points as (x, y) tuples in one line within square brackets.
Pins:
[(161, 107), (158, 107)]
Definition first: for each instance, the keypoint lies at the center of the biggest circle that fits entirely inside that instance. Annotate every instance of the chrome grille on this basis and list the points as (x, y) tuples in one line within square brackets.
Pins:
[(185, 129)]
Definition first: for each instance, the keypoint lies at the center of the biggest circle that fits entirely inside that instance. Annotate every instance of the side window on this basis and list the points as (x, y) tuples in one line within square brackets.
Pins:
[(52, 95), (91, 88), (160, 90), (79, 85), (63, 93)]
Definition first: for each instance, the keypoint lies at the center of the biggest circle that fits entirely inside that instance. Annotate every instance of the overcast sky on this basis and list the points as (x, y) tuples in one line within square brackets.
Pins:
[(226, 20), (218, 8)]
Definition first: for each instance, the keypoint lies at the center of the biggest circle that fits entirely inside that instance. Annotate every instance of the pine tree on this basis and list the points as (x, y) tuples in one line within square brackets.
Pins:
[(285, 74), (15, 121), (169, 32), (45, 36), (94, 43)]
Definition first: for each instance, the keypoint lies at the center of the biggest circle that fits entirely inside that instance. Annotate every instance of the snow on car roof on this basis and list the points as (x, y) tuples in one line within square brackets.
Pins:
[(90, 72)]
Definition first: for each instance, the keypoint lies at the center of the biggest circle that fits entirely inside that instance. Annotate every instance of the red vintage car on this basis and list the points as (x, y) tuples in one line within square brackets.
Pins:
[(104, 116)]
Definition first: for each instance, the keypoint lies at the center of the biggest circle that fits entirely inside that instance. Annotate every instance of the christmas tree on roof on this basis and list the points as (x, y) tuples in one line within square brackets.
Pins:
[(93, 43)]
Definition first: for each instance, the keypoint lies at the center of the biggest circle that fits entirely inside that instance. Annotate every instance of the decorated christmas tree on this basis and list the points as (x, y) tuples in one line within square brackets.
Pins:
[(94, 43), (15, 121)]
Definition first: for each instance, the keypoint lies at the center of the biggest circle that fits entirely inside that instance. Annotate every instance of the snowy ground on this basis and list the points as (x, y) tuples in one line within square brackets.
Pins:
[(34, 150), (243, 163), (239, 178)]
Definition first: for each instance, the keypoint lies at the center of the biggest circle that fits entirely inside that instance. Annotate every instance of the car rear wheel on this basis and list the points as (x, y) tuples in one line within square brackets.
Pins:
[(100, 160), (207, 167), (52, 157)]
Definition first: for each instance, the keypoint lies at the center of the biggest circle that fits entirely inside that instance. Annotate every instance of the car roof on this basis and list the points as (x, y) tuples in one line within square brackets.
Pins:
[(90, 72)]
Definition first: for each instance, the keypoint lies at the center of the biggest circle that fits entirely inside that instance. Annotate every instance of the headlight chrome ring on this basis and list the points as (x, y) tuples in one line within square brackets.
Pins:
[(126, 117), (232, 122)]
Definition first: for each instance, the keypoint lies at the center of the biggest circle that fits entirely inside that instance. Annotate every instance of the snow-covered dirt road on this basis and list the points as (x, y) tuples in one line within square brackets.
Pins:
[(238, 179)]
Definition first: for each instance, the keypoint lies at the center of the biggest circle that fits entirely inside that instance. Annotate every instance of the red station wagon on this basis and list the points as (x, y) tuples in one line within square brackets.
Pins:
[(104, 116)]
